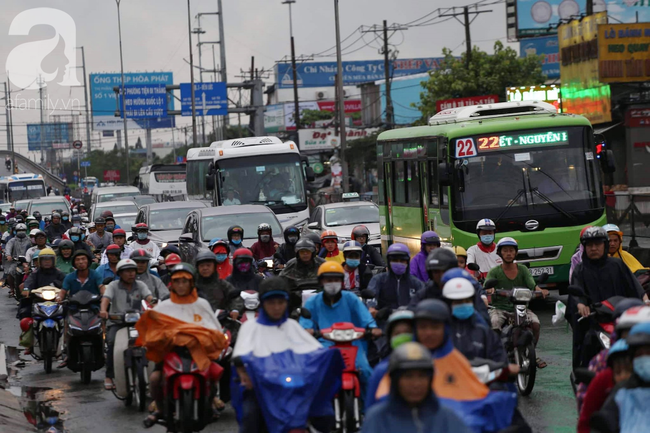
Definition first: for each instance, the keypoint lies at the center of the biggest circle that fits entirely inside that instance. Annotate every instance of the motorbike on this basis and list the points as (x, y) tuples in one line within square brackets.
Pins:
[(517, 334), (86, 336), (130, 363), (47, 326), (251, 305), (230, 330), (18, 277)]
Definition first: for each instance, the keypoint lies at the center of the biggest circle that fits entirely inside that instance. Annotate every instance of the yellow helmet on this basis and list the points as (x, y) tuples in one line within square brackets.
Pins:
[(47, 252), (331, 269), (460, 251)]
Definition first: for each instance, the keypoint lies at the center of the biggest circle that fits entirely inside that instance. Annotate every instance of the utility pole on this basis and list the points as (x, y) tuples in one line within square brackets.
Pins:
[(189, 29), (390, 112), (341, 101), (83, 61), (222, 52), (7, 105), (198, 32), (126, 128), (590, 7), (466, 22), (11, 125), (40, 95), (296, 113)]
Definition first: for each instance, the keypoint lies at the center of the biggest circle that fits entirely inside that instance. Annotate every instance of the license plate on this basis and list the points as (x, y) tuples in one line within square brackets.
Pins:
[(536, 272)]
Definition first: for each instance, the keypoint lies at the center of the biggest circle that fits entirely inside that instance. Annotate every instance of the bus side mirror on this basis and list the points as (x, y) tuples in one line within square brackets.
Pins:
[(309, 173), (606, 156), (209, 182), (444, 174)]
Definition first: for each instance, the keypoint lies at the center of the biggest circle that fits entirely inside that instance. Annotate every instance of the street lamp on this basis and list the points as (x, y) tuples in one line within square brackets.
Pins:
[(189, 29), (341, 101), (126, 135), (296, 115)]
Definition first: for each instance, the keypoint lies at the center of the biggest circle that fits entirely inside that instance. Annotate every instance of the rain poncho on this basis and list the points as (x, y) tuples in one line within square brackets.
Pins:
[(629, 260)]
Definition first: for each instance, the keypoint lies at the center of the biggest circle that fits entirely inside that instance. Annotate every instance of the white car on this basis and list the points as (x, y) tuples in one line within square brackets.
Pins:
[(343, 217)]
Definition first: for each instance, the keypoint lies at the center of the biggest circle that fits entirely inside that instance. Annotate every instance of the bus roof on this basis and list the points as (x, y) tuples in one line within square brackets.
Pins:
[(24, 176), (239, 147)]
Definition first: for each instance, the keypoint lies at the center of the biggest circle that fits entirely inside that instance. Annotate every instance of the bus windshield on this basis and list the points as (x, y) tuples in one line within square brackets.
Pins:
[(555, 182), (273, 180), (25, 189)]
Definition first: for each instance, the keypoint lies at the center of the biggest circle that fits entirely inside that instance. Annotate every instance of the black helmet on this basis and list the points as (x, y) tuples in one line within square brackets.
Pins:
[(3, 217), (20, 219), (81, 252), (235, 229), (441, 259), (66, 243), (205, 255), (183, 267), (410, 356), (305, 244), (169, 249), (432, 309), (359, 231), (100, 220), (140, 255), (55, 215), (273, 287), (75, 231), (314, 237), (594, 234), (290, 231)]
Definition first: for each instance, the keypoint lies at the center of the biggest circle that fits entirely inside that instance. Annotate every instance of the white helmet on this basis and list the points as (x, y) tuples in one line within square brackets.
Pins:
[(458, 288), (485, 224), (125, 264), (33, 232), (633, 316)]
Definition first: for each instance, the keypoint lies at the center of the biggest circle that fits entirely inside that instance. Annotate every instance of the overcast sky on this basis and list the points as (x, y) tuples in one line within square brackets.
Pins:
[(156, 39)]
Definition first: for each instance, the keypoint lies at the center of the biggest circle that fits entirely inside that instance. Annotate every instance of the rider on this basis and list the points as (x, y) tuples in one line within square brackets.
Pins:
[(429, 241), (356, 276), (109, 269), (41, 243), (265, 246), (120, 295), (461, 255), (412, 404), (370, 255), (287, 250), (3, 224), (484, 253), (46, 275), (235, 237), (39, 218), (119, 239), (142, 259), (220, 250), (77, 238), (397, 287), (111, 225), (439, 261), (304, 266), (83, 278), (15, 248), (576, 258), (219, 293), (65, 219), (142, 242), (616, 249), (101, 238), (330, 251), (171, 260), (55, 230), (243, 275), (64, 256), (334, 305)]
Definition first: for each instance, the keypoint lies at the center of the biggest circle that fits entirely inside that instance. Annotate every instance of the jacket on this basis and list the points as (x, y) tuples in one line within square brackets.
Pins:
[(285, 253), (224, 269), (54, 231), (247, 281), (418, 266), (371, 256), (625, 410), (296, 271), (630, 261), (576, 258), (432, 291), (64, 265), (603, 278), (474, 339), (262, 250), (155, 285), (393, 291), (597, 394), (42, 278), (219, 293)]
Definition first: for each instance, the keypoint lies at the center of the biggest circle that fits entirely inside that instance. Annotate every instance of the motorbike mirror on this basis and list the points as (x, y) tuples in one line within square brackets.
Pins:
[(383, 314), (542, 278), (575, 291), (584, 375), (234, 294), (107, 280), (367, 294), (305, 313), (490, 284), (473, 267)]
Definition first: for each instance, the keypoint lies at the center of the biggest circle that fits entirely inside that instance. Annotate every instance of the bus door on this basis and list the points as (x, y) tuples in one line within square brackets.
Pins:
[(424, 196), (388, 199)]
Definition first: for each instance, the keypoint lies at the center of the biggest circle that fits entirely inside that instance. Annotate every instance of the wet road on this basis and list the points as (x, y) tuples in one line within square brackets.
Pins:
[(550, 407)]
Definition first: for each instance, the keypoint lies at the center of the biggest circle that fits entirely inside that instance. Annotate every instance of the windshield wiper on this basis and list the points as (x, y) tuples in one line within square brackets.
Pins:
[(553, 204), (515, 198)]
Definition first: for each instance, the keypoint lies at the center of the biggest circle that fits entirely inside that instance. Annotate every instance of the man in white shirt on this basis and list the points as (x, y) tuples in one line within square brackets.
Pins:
[(484, 253), (231, 199)]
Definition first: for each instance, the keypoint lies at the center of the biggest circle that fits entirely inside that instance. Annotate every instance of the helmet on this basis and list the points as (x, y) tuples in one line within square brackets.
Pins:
[(398, 251), (36, 214), (331, 270), (141, 227), (218, 242), (169, 249), (172, 259), (242, 254), (26, 323), (625, 305), (82, 252), (20, 227), (639, 335), (119, 232), (485, 224), (264, 227), (613, 228), (359, 231), (100, 220), (329, 234), (205, 256), (66, 243), (3, 217), (76, 217), (65, 213), (430, 238), (125, 264), (113, 249), (106, 214), (290, 231), (594, 234), (55, 244), (396, 317), (305, 244), (11, 222), (352, 246), (46, 252), (619, 348), (506, 242), (441, 259), (20, 219), (272, 287), (183, 267), (75, 231), (56, 215), (432, 309), (458, 288), (35, 255), (314, 238), (583, 230), (235, 230), (33, 232), (140, 255), (632, 317), (460, 251), (457, 273), (410, 356)]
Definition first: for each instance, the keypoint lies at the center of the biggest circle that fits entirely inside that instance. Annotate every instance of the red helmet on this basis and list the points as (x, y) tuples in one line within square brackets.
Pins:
[(172, 259), (119, 232), (243, 253), (140, 226), (113, 249), (583, 231), (26, 323)]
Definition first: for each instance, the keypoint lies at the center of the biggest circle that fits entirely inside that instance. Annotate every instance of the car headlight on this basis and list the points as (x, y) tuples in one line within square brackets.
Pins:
[(164, 245)]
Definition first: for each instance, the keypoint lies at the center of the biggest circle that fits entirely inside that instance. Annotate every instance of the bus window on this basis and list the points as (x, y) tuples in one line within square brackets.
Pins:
[(413, 183), (400, 185)]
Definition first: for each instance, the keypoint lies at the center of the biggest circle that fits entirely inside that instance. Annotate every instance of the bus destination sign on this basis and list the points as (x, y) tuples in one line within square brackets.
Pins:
[(468, 147)]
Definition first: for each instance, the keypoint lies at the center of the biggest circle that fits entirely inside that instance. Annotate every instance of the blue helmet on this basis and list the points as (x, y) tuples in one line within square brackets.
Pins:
[(398, 250), (398, 316), (619, 348), (639, 335), (457, 273)]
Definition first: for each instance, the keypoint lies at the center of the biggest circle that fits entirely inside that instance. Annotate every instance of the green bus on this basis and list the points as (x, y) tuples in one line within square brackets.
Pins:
[(534, 172)]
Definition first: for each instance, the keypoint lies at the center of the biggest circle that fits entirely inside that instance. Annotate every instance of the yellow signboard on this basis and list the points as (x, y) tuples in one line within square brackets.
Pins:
[(582, 91), (624, 52)]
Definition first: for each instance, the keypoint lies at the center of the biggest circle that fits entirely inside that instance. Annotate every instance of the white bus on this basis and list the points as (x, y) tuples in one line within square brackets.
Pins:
[(22, 187), (253, 170), (89, 182), (163, 181)]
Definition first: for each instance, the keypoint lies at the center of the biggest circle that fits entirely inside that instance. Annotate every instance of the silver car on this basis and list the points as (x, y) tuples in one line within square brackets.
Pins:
[(343, 217)]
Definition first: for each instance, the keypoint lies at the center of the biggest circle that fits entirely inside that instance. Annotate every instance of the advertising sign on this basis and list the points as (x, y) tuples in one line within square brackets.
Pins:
[(547, 47), (637, 118), (145, 102), (351, 106), (322, 74), (324, 139), (540, 18), (624, 52), (211, 99), (445, 104), (111, 175), (549, 94), (103, 100), (582, 91), (274, 118), (53, 133)]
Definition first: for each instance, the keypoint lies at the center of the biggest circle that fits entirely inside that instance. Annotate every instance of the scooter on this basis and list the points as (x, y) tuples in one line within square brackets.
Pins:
[(251, 304), (86, 341), (230, 330), (48, 326)]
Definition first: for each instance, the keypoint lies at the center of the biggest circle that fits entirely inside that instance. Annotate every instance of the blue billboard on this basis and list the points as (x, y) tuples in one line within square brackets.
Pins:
[(145, 102), (548, 48), (54, 135), (211, 99), (322, 74), (103, 100)]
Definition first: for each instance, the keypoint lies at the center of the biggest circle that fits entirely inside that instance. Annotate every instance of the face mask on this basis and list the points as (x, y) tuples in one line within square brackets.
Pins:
[(221, 257), (244, 267), (76, 225), (3, 223), (398, 268), (400, 339), (642, 367), (265, 238), (236, 241), (21, 235), (353, 263), (292, 239), (110, 226), (74, 238), (142, 236), (332, 288), (65, 218), (462, 311), (487, 239)]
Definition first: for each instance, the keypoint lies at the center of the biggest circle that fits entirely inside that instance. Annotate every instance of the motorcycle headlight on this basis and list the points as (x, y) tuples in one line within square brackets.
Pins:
[(604, 338), (133, 333), (522, 295), (163, 245), (131, 317), (343, 335), (48, 295)]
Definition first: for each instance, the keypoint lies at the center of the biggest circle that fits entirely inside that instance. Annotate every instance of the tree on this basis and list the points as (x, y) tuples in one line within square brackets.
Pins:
[(487, 74), (309, 117)]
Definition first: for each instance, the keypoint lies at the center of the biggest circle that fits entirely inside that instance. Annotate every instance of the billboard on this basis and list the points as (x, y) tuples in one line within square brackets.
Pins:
[(322, 74), (445, 104), (582, 92), (210, 99), (624, 53), (145, 102), (279, 117), (111, 175), (547, 47), (103, 100), (54, 136), (549, 94)]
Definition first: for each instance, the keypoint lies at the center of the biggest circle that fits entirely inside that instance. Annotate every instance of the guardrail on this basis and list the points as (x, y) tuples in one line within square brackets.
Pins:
[(632, 214), (30, 166)]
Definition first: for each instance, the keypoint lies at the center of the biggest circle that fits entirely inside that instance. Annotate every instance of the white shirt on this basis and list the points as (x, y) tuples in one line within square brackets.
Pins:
[(199, 313), (149, 247), (232, 202), (126, 253), (485, 261)]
